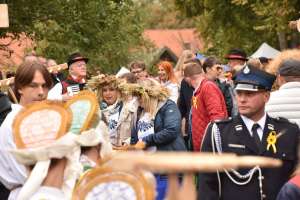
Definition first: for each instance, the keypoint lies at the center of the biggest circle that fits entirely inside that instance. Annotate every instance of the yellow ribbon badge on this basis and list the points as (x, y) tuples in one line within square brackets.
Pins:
[(271, 139), (194, 102)]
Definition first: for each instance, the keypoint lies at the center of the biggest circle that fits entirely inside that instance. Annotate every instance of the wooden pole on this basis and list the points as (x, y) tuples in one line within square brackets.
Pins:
[(12, 94), (4, 22)]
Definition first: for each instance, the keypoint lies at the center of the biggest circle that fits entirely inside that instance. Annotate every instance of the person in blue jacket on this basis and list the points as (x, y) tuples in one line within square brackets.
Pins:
[(290, 190), (157, 125)]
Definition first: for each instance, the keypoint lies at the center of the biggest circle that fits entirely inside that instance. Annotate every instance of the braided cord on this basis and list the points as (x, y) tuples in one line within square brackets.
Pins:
[(217, 146)]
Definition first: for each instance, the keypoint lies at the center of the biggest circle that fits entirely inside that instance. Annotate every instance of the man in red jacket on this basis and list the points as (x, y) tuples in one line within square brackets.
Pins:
[(208, 103)]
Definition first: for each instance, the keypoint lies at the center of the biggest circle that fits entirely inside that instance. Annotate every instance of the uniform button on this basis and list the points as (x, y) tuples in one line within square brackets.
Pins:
[(283, 155)]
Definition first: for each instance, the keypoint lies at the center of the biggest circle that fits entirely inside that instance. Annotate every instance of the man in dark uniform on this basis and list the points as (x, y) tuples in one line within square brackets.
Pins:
[(254, 133)]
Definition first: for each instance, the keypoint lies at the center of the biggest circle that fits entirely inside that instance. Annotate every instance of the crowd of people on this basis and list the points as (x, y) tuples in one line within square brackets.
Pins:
[(246, 106)]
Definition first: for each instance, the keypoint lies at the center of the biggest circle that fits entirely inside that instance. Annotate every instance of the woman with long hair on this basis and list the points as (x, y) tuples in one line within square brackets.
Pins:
[(117, 111), (167, 79), (157, 125)]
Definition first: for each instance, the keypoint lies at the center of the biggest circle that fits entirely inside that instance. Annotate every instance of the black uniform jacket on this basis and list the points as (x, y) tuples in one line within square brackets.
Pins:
[(236, 139)]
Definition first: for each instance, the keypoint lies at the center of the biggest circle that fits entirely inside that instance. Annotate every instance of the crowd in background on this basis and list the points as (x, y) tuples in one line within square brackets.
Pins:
[(172, 111)]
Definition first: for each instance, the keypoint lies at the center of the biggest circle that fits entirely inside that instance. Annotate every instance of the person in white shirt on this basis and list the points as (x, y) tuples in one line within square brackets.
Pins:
[(75, 80), (32, 83), (285, 102)]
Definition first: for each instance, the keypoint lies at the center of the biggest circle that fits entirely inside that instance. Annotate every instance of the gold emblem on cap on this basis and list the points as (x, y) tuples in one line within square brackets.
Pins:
[(246, 70)]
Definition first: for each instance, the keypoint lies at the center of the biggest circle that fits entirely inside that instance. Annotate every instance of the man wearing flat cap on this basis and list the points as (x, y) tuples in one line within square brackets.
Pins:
[(285, 102), (253, 133), (75, 81)]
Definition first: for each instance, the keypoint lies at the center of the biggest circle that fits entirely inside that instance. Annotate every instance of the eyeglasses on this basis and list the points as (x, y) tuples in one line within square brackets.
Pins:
[(80, 65), (137, 71)]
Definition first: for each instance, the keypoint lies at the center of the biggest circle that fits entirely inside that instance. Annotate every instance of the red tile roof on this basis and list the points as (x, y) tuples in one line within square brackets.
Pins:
[(17, 49), (175, 39)]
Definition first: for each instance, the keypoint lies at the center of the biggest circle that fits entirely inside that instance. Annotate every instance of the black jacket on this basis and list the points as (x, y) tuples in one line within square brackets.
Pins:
[(235, 138), (5, 106), (167, 128), (225, 89), (184, 101)]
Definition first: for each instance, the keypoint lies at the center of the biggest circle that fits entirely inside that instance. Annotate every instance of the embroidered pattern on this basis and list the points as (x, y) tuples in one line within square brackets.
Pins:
[(112, 124), (144, 126), (112, 190), (194, 102)]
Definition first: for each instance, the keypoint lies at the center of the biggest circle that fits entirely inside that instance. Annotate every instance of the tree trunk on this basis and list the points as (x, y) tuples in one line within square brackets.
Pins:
[(295, 40), (282, 40)]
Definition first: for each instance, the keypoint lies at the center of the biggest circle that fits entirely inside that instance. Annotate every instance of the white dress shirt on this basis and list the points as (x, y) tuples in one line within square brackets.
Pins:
[(55, 93), (12, 174), (249, 124)]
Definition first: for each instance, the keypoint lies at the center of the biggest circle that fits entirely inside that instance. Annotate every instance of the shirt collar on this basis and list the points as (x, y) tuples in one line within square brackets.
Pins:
[(77, 79), (249, 122), (196, 89)]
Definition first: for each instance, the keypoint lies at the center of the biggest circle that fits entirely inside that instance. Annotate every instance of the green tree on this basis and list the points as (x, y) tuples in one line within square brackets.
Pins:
[(106, 31), (163, 14), (241, 23)]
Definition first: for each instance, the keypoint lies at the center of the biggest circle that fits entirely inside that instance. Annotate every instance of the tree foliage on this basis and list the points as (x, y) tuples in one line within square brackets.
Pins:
[(242, 23), (103, 30), (163, 14)]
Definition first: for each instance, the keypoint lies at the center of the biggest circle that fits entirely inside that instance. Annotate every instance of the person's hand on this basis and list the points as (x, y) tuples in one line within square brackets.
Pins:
[(293, 24), (140, 145), (55, 176), (92, 152), (124, 147)]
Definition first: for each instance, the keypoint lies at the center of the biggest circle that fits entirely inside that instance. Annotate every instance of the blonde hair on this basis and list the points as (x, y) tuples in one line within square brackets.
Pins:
[(150, 92), (96, 84), (150, 103), (285, 55)]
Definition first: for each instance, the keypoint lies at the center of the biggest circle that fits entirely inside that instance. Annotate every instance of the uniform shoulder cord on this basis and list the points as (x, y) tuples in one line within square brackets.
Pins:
[(217, 148)]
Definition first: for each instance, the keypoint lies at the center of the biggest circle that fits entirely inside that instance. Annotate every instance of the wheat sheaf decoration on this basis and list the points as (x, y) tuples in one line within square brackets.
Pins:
[(146, 91), (96, 83)]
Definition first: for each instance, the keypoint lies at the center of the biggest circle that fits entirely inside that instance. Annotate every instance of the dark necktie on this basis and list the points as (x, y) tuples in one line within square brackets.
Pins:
[(255, 134)]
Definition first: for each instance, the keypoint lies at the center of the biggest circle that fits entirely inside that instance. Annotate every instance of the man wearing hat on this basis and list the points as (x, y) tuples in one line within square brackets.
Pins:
[(253, 133), (236, 57), (77, 73), (285, 102), (75, 81)]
